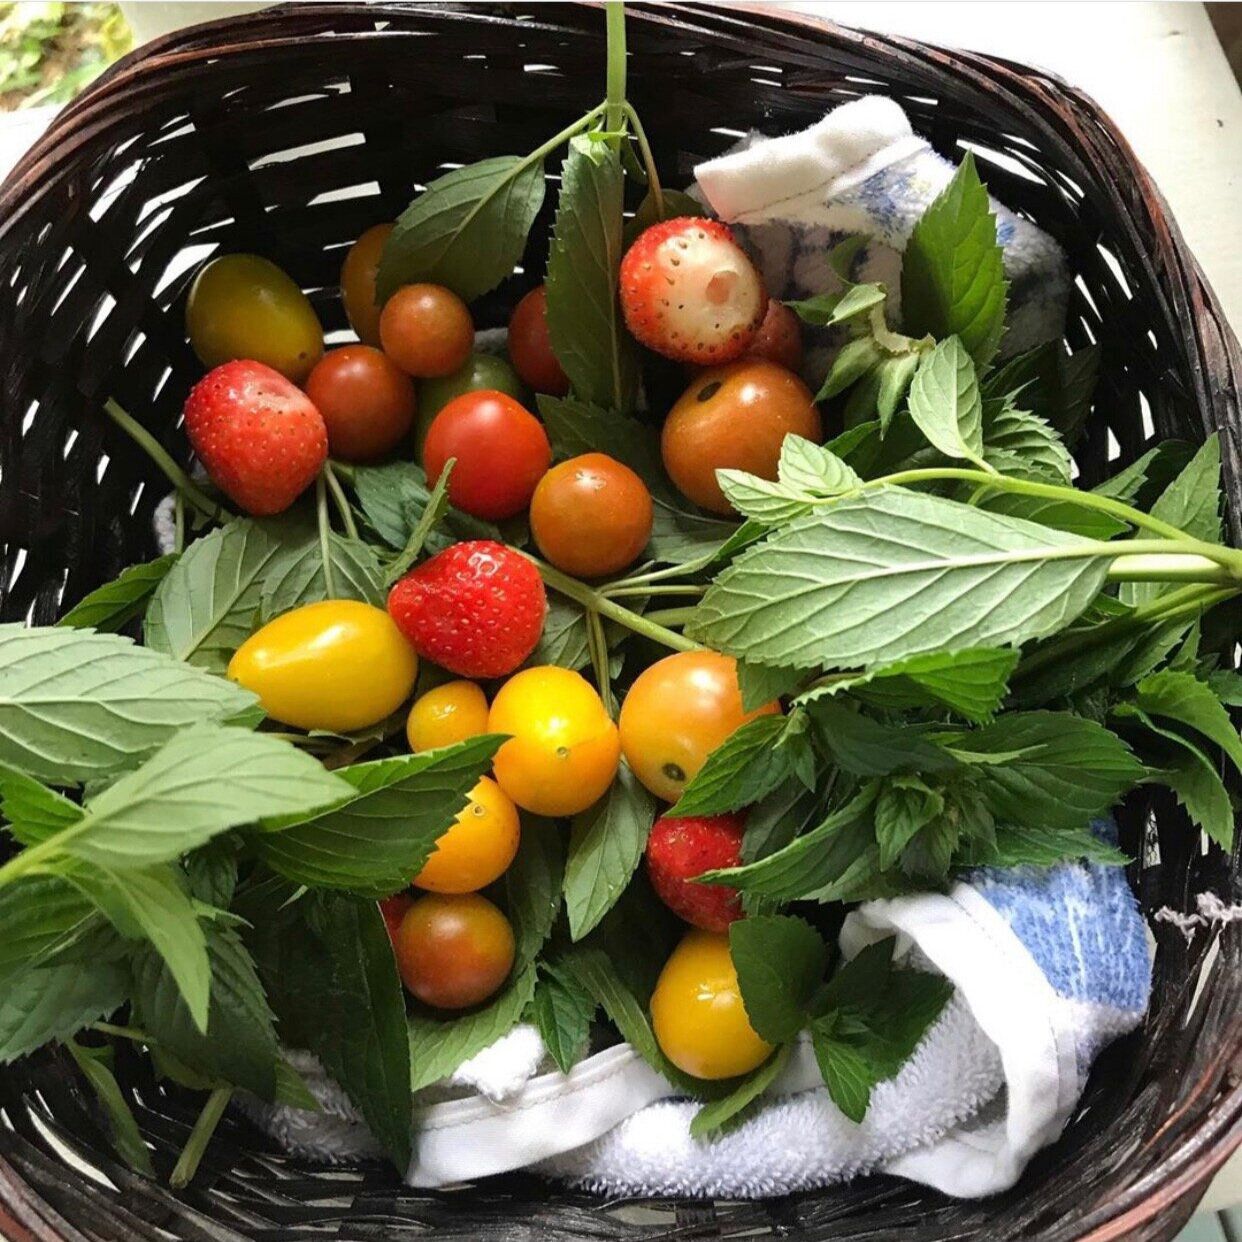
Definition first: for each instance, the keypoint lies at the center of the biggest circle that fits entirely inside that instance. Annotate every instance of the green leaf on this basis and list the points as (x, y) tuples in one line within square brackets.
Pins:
[(55, 1002), (204, 781), (748, 765), (952, 269), (438, 1046), (846, 1072), (584, 314), (1025, 846), (1060, 514), (867, 747), (1200, 790), (719, 1117), (34, 811), (208, 604), (40, 914), (1154, 470), (904, 808), (945, 401), (212, 872), (295, 575), (606, 844), (239, 1044), (894, 376), (563, 641), (1186, 699), (856, 358), (891, 574), (780, 963), (118, 602), (152, 905), (122, 1128), (1069, 768), (434, 512), (532, 887), (1227, 686), (807, 473), (760, 685), (328, 967), (385, 826), (394, 500), (467, 230), (562, 1010), (762, 499), (826, 309), (1056, 387), (811, 467), (76, 706), (1039, 451)]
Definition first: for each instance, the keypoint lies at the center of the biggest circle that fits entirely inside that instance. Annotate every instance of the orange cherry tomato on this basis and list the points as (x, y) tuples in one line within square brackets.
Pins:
[(358, 283), (591, 516), (426, 330), (366, 400), (676, 713), (501, 452), (530, 348), (737, 417), (393, 910), (454, 950), (478, 847)]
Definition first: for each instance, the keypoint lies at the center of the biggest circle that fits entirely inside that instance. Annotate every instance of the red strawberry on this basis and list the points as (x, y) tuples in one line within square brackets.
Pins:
[(689, 292), (393, 911), (678, 850), (476, 608), (259, 436)]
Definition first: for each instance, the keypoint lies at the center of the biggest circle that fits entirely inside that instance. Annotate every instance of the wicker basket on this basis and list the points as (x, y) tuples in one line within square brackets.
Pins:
[(289, 132)]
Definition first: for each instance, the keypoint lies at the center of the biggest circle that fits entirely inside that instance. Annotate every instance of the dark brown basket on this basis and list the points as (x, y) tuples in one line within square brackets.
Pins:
[(217, 124)]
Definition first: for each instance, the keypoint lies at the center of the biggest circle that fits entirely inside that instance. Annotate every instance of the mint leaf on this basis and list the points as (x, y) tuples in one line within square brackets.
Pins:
[(562, 1010), (971, 682), (395, 498), (856, 359), (40, 914), (1227, 686), (760, 685), (95, 1064), (945, 402), (825, 309), (532, 887), (952, 270), (718, 1117), (893, 379), (814, 468), (866, 747), (606, 844), (75, 705), (1149, 475), (845, 1070), (584, 314), (212, 872), (878, 577), (904, 808), (239, 1044), (1023, 445), (208, 603), (434, 512), (780, 963), (204, 781), (1025, 846), (116, 603), (295, 575), (384, 824), (1060, 514), (762, 500), (34, 811), (749, 764), (55, 1002), (1189, 701), (467, 230), (808, 473), (1051, 384)]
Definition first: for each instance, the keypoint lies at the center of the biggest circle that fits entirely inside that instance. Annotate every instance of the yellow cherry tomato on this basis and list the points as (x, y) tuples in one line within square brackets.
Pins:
[(243, 306), (446, 715), (479, 846), (340, 665), (697, 1013), (563, 750), (676, 713)]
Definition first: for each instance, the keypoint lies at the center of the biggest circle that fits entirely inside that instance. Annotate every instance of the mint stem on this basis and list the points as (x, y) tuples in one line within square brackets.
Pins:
[(340, 499), (325, 529), (615, 17), (192, 1154), (644, 148)]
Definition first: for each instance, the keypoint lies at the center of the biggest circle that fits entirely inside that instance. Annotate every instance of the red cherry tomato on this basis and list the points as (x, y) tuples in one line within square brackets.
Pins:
[(366, 400), (530, 349), (502, 452)]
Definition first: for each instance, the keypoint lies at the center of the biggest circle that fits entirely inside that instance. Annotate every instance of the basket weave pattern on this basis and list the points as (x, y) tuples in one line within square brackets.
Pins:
[(289, 132)]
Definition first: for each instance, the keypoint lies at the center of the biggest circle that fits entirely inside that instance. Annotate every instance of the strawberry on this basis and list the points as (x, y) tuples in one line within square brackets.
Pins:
[(393, 910), (259, 436), (689, 292), (476, 609), (678, 850)]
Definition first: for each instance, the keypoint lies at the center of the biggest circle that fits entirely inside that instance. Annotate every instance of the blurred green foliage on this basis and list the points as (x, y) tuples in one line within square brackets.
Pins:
[(49, 52)]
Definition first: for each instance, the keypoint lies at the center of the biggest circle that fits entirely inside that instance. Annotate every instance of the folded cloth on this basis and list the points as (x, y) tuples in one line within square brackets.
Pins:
[(863, 170), (1049, 965)]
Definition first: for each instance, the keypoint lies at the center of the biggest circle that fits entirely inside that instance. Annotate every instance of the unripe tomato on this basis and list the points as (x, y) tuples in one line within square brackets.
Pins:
[(478, 372), (735, 417), (340, 665), (676, 713), (779, 338), (426, 330), (530, 347), (393, 910), (478, 847), (563, 750), (697, 1013), (502, 452), (366, 400), (454, 949), (446, 715), (358, 282), (591, 516), (244, 306)]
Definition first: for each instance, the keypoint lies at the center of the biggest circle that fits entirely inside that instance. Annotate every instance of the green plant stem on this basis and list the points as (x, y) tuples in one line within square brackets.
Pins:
[(159, 455), (122, 1032), (183, 1174), (670, 616), (1183, 567), (644, 148), (178, 522), (597, 643), (592, 600), (341, 500), (342, 470), (660, 575), (624, 590), (325, 529), (615, 19)]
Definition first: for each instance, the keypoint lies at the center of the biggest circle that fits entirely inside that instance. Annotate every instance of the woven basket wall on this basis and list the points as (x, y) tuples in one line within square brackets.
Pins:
[(288, 133)]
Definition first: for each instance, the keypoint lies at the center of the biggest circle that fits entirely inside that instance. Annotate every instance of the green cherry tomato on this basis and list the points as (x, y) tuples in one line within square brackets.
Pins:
[(480, 371), (243, 306)]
